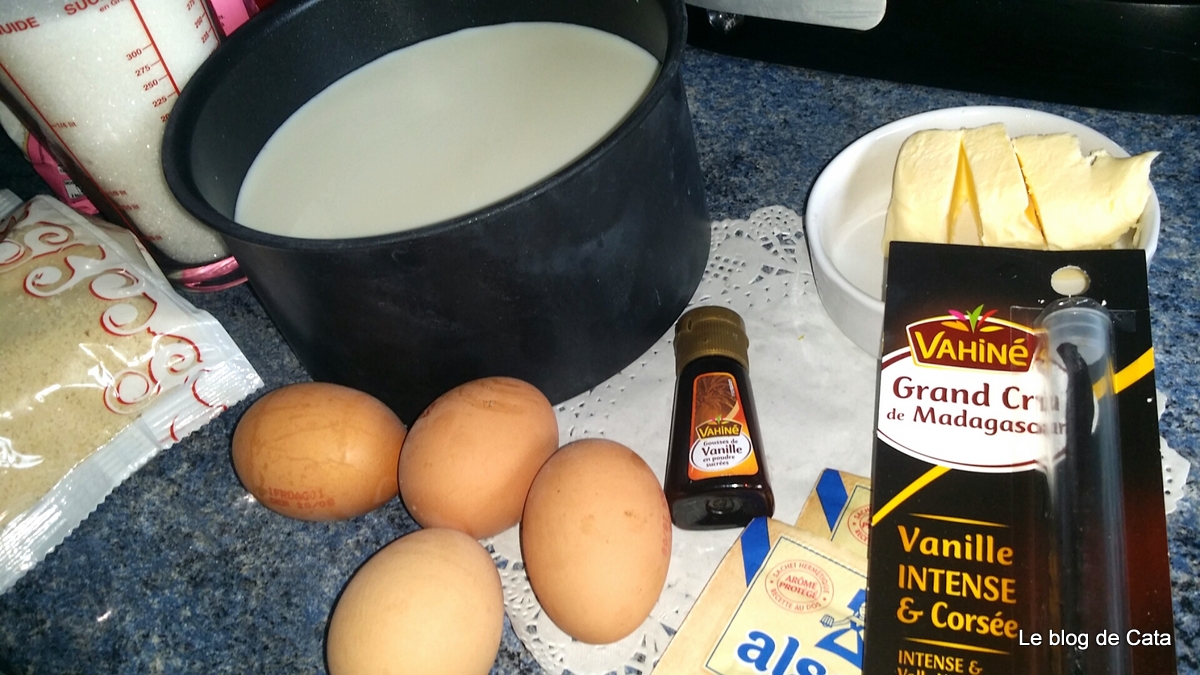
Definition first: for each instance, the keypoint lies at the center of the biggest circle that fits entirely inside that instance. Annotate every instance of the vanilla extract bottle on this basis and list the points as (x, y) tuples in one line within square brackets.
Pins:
[(716, 473)]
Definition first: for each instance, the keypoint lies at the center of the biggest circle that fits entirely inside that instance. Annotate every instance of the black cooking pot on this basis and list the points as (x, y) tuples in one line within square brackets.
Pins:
[(561, 285)]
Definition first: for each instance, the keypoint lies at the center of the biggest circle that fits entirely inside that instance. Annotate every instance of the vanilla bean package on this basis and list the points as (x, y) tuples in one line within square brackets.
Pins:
[(1017, 516)]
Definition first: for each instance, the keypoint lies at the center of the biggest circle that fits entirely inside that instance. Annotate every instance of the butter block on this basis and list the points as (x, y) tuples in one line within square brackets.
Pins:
[(927, 192), (998, 195), (1082, 202)]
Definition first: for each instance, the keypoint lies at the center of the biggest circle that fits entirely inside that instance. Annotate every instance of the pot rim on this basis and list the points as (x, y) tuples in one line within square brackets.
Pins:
[(179, 176)]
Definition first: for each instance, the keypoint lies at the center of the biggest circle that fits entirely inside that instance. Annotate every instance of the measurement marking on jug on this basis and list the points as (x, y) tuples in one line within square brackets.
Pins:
[(142, 70), (54, 128), (154, 46), (19, 25), (81, 5), (200, 20)]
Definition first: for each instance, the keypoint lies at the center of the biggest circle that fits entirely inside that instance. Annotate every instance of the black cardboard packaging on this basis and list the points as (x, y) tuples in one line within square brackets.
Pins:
[(992, 549)]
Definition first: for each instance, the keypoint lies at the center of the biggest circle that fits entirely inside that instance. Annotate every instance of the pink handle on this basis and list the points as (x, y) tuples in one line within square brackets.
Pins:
[(218, 276), (232, 13)]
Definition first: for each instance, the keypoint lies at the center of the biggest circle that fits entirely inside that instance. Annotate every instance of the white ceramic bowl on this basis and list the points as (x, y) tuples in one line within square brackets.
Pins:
[(846, 208)]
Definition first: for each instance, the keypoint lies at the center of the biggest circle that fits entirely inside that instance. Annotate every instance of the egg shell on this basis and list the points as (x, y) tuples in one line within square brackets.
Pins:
[(429, 602), (596, 540), (471, 456), (319, 451)]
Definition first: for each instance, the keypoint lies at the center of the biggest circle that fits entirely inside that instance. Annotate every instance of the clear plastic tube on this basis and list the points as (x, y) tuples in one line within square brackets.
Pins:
[(1086, 489)]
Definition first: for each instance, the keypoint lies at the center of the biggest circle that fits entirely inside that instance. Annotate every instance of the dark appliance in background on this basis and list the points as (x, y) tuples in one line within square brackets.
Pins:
[(1117, 54)]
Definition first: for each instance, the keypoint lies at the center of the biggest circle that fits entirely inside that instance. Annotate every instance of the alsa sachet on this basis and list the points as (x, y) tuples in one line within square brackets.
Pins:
[(1017, 507)]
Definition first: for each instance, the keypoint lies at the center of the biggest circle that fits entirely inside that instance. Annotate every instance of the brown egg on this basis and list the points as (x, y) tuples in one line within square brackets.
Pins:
[(429, 602), (318, 451), (596, 539), (470, 457)]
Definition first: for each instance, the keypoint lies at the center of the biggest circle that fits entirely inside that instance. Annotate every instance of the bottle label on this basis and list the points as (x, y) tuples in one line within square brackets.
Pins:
[(720, 441)]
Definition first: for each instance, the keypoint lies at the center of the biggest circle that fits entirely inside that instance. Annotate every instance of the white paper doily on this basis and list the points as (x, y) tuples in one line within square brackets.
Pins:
[(815, 395), (1175, 467)]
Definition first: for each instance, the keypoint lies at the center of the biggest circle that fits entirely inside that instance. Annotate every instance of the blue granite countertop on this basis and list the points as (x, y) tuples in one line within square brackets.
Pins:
[(179, 572)]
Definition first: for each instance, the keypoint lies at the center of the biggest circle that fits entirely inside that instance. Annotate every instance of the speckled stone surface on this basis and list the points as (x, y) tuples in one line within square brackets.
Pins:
[(178, 572)]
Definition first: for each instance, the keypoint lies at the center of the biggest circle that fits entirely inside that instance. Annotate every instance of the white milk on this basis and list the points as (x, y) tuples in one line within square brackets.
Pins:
[(100, 78), (442, 128)]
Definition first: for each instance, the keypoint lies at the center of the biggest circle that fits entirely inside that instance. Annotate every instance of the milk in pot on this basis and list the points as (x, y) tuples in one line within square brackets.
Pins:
[(443, 128)]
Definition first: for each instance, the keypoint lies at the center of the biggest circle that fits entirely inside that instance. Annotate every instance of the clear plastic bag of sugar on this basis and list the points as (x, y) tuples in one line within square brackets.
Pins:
[(105, 365)]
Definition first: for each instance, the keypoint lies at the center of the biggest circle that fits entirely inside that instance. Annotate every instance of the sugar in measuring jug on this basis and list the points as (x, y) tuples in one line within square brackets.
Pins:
[(97, 79)]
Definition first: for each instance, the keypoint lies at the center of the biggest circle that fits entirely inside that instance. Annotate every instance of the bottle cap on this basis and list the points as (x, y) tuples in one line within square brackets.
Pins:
[(710, 331)]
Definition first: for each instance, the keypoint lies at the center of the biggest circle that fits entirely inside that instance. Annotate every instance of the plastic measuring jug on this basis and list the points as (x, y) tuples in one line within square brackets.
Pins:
[(96, 81)]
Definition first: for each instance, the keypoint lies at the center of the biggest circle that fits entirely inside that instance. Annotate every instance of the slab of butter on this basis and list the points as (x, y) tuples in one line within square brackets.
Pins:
[(781, 601), (1083, 202), (927, 190), (998, 196), (1030, 192), (838, 510)]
